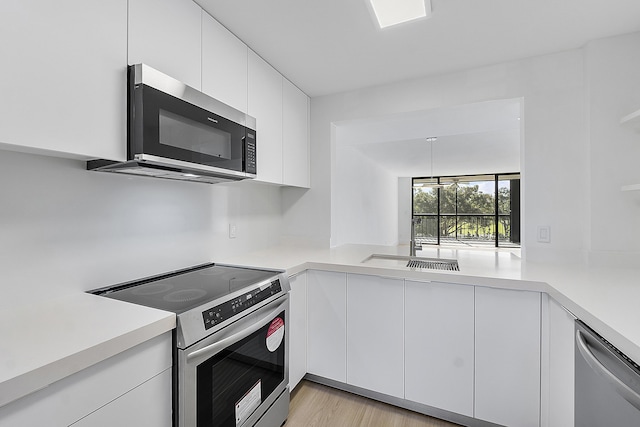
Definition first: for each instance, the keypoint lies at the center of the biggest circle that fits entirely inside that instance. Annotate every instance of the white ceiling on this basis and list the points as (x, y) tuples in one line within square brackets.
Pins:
[(480, 153), (474, 118), (331, 46), (471, 139)]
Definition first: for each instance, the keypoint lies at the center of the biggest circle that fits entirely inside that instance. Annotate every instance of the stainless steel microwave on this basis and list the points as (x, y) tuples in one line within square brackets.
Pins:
[(177, 132)]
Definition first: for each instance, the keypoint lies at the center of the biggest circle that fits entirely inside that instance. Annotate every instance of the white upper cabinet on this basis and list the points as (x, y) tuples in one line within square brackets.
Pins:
[(166, 35), (224, 64), (265, 104), (439, 345), (295, 135), (63, 79), (65, 92)]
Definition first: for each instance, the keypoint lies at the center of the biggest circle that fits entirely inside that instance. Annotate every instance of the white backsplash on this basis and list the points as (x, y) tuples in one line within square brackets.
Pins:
[(65, 229)]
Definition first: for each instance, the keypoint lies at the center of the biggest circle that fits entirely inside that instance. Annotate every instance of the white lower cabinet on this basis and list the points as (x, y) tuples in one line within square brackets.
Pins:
[(297, 329), (558, 365), (149, 404), (375, 334), (439, 345), (133, 385), (327, 324), (469, 350), (507, 357)]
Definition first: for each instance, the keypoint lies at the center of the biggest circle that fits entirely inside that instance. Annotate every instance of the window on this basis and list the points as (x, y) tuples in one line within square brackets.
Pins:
[(473, 210)]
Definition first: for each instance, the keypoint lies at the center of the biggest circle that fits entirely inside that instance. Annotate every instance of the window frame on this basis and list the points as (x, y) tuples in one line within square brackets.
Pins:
[(496, 215)]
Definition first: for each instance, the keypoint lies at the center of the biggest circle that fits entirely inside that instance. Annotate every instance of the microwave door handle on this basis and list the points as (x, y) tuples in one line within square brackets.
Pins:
[(621, 388), (225, 342)]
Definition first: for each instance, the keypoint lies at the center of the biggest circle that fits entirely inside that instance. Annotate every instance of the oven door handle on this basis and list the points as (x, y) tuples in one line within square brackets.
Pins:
[(216, 347), (621, 388)]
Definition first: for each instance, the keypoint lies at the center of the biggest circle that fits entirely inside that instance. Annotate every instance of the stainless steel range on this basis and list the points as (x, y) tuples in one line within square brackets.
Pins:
[(231, 354)]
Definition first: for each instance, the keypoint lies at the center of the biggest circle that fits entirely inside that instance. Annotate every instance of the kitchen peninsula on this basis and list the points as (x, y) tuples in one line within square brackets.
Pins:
[(605, 298), (602, 298)]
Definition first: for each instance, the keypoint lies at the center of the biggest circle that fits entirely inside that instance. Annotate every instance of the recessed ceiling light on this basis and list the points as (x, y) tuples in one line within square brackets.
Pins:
[(392, 12), (190, 175)]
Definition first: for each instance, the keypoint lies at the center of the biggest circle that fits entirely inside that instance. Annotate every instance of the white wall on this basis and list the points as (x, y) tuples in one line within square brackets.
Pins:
[(554, 138), (574, 158), (365, 208), (64, 229), (613, 73), (405, 201)]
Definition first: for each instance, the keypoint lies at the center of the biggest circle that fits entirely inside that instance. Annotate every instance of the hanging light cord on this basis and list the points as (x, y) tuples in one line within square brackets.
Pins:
[(431, 140)]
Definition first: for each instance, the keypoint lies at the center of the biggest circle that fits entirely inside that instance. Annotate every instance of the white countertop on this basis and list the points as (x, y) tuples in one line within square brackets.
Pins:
[(606, 299), (49, 340)]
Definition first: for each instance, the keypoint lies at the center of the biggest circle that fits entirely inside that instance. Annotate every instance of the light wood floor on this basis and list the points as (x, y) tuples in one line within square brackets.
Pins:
[(315, 405)]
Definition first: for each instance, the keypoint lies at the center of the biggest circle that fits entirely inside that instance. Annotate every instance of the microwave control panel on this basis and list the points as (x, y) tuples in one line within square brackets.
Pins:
[(250, 152), (221, 312)]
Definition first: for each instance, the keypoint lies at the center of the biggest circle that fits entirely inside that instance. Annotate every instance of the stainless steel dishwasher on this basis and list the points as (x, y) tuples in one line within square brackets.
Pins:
[(607, 383)]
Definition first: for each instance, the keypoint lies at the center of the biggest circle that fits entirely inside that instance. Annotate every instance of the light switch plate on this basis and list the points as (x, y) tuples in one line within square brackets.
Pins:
[(544, 234), (232, 231)]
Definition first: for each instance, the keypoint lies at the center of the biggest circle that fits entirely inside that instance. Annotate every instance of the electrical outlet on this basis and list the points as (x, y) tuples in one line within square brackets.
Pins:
[(232, 231), (544, 234)]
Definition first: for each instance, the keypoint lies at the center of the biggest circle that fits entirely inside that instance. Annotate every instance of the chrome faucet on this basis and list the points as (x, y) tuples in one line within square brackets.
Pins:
[(412, 242)]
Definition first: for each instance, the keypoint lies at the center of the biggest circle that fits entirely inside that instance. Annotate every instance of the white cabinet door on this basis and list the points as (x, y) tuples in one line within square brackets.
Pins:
[(75, 397), (265, 104), (295, 135), (297, 329), (63, 79), (507, 357), (166, 35), (224, 64), (558, 365), (327, 322), (149, 404), (375, 334), (439, 345)]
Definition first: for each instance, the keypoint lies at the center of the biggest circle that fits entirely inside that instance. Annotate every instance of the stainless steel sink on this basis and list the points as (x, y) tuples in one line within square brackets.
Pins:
[(412, 262)]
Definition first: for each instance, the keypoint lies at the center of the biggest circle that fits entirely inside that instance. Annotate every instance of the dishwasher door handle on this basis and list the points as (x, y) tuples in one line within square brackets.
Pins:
[(621, 388)]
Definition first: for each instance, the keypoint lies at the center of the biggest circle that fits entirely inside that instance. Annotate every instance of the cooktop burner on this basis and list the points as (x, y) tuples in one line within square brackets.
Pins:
[(185, 295), (153, 288), (186, 289)]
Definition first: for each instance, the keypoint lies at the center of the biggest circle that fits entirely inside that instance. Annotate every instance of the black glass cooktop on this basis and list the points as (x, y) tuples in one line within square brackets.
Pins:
[(183, 290)]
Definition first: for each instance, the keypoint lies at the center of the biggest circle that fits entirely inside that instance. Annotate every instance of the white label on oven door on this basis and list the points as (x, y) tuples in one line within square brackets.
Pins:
[(249, 402), (275, 334)]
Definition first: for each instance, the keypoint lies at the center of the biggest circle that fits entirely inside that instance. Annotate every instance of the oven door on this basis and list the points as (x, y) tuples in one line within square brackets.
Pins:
[(231, 378)]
